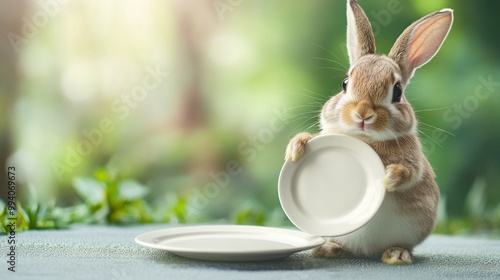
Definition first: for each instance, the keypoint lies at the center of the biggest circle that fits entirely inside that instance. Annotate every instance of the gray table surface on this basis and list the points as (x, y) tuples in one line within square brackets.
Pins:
[(104, 252)]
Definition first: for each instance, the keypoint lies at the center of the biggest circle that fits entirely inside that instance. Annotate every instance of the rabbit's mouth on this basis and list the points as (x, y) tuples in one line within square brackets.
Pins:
[(361, 129), (364, 123), (364, 126), (367, 131)]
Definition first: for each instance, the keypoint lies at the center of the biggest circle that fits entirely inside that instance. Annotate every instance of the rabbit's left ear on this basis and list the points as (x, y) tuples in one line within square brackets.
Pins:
[(360, 39), (421, 41)]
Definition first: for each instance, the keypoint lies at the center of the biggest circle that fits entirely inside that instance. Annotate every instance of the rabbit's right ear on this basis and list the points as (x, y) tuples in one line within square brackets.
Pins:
[(360, 39), (421, 41)]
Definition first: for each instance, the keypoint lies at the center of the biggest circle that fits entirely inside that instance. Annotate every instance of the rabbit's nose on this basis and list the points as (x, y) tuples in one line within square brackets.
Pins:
[(364, 113), (370, 119), (365, 118)]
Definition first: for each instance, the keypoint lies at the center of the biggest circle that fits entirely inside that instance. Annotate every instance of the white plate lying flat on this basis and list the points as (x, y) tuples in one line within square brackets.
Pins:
[(334, 188), (229, 243)]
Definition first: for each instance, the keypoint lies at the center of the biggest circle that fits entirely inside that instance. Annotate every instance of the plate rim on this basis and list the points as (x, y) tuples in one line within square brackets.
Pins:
[(290, 167), (145, 239)]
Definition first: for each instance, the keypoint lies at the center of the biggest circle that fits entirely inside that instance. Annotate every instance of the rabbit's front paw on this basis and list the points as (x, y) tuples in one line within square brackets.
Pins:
[(395, 176), (330, 250), (295, 147), (396, 255)]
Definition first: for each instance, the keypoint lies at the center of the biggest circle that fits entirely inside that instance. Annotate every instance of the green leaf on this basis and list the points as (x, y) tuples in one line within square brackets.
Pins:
[(2, 205), (144, 212), (23, 220), (130, 190), (102, 175), (250, 217), (33, 215), (79, 213), (180, 209), (90, 190), (475, 202)]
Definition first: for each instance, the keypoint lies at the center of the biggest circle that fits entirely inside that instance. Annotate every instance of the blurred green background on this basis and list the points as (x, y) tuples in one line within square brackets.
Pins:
[(180, 111)]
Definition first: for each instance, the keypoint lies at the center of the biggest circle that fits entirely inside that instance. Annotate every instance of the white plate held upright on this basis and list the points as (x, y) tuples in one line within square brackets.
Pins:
[(334, 188)]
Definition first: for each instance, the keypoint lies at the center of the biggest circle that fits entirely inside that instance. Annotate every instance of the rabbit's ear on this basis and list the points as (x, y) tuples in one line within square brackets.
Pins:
[(421, 41), (360, 39)]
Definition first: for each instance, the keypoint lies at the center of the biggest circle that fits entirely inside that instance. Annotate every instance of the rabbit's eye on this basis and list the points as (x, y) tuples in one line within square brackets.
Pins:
[(397, 92), (344, 84)]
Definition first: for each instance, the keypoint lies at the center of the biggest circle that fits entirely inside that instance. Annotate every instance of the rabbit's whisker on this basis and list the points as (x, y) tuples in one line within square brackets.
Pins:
[(438, 128), (298, 127), (316, 96), (332, 54), (329, 60), (312, 125), (331, 68), (306, 106), (433, 109), (430, 138)]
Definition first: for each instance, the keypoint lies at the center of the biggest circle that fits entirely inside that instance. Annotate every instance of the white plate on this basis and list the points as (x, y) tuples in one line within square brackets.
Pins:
[(229, 243), (334, 188)]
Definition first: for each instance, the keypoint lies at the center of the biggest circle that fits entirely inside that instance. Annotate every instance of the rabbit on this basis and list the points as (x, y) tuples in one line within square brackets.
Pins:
[(372, 107)]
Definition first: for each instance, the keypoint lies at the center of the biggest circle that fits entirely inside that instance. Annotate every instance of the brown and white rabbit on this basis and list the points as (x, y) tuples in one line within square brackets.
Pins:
[(373, 108)]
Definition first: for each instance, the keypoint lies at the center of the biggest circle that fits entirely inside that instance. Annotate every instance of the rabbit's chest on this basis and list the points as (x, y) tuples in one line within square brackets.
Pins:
[(389, 227)]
